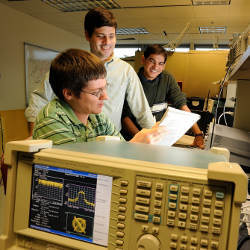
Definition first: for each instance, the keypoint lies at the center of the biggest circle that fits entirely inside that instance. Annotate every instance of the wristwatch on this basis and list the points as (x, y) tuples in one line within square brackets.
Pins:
[(199, 134)]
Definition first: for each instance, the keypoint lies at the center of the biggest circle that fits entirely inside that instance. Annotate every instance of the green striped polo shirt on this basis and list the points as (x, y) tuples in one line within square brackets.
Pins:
[(58, 122)]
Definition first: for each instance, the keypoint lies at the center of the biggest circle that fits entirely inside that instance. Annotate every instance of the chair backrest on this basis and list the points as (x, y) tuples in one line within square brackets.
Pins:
[(13, 126)]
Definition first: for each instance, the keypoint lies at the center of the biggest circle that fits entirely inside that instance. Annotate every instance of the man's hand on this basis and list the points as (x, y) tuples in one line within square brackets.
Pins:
[(199, 141), (150, 136), (31, 128)]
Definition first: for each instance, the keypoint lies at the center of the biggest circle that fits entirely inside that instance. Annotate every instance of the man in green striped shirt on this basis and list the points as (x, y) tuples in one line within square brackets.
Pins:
[(77, 78)]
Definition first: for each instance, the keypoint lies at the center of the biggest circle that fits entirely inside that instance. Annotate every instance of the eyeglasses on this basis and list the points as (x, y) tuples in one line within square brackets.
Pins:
[(98, 93), (152, 61)]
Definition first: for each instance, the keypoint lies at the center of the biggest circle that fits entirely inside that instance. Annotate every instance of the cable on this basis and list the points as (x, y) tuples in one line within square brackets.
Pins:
[(224, 115), (217, 106)]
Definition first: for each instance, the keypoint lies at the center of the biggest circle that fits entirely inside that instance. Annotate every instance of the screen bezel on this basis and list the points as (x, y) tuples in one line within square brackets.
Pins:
[(22, 211)]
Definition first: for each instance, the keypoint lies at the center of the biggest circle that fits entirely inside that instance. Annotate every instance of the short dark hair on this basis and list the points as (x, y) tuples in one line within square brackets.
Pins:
[(155, 49), (98, 17), (73, 69)]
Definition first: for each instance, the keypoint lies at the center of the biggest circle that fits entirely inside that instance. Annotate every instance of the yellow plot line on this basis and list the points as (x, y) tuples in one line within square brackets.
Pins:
[(84, 199)]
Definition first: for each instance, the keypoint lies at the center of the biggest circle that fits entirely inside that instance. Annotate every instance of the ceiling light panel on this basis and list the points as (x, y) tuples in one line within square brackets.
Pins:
[(209, 30), (131, 31), (211, 2), (81, 5)]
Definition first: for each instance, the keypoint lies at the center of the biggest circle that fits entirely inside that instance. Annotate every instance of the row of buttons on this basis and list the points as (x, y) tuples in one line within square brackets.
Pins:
[(121, 216), (142, 200), (194, 242), (157, 203), (194, 210)]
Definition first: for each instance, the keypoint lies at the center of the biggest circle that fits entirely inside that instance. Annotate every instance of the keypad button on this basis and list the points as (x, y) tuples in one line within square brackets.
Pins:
[(173, 245), (156, 219), (158, 195), (119, 242), (195, 200), (216, 230), (142, 217), (194, 241), (193, 226), (170, 222), (194, 217), (183, 247), (197, 191), (208, 193), (120, 234), (173, 188), (173, 197), (142, 200), (174, 237), (204, 228), (143, 192), (183, 207), (184, 198), (121, 209), (123, 191), (141, 208), (182, 216), (124, 183), (120, 225), (172, 205), (171, 213), (159, 186), (214, 244), (122, 200), (157, 203), (207, 202), (146, 184), (121, 217), (204, 242), (181, 224), (204, 219), (217, 222), (218, 213), (219, 195), (157, 211), (206, 210), (219, 204), (185, 189), (194, 209), (184, 239)]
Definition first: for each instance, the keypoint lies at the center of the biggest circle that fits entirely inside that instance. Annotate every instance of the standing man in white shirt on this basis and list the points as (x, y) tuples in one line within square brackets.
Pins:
[(123, 83)]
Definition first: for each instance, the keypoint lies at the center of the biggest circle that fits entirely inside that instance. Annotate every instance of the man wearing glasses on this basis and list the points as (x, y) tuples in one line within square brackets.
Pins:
[(123, 82), (160, 88), (77, 77)]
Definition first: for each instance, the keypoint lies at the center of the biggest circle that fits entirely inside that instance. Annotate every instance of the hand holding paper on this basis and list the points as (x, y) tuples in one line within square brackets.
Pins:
[(177, 123)]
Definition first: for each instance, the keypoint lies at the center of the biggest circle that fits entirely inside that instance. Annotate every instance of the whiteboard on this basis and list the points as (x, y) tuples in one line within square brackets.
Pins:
[(37, 64)]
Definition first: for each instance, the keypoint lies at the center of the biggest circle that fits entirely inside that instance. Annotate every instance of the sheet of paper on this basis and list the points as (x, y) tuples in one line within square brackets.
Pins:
[(177, 122)]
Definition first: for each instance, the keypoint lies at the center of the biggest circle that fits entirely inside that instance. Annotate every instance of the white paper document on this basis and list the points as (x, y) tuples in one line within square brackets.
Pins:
[(177, 122)]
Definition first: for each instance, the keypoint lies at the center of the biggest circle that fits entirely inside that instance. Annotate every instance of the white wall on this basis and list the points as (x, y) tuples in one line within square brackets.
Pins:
[(15, 29)]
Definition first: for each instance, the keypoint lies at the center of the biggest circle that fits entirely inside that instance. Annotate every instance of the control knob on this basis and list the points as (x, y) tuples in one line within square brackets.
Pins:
[(148, 242)]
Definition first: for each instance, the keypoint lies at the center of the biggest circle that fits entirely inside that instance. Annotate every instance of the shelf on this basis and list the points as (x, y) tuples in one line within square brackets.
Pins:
[(241, 70)]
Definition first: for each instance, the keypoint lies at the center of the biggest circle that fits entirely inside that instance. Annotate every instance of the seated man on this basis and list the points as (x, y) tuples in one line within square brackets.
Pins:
[(77, 78), (123, 83), (160, 89)]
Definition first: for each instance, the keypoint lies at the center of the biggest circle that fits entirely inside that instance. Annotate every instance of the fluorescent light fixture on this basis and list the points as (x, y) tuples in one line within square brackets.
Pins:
[(131, 31), (209, 30), (81, 5), (211, 2)]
